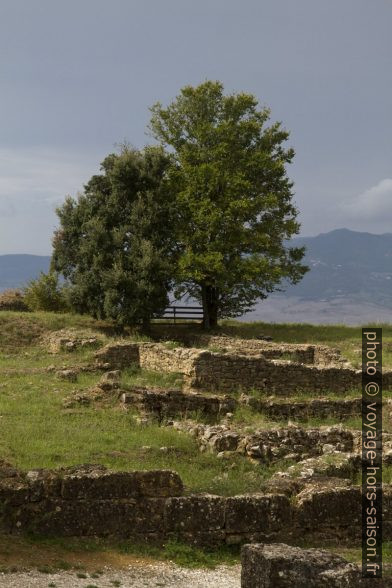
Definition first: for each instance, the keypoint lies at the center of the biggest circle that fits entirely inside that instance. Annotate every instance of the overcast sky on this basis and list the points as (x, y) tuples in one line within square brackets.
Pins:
[(77, 77)]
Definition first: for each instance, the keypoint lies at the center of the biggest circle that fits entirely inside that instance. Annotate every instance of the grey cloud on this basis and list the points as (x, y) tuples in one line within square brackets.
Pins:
[(374, 204)]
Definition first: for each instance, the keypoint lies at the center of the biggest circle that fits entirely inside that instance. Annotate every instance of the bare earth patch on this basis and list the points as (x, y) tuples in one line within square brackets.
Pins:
[(137, 574)]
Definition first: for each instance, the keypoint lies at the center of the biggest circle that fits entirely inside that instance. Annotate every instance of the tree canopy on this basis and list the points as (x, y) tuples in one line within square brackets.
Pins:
[(115, 241), (208, 212), (233, 196)]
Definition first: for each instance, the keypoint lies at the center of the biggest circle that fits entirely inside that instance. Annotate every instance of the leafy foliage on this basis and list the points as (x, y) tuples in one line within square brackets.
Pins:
[(208, 212), (114, 244), (45, 293), (234, 199)]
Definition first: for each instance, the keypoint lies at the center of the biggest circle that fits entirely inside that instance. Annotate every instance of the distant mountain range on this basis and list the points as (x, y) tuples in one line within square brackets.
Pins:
[(17, 270), (347, 263), (350, 280)]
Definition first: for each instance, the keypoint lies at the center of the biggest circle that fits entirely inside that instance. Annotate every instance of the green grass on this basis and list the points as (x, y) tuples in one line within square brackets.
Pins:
[(298, 332), (169, 344), (176, 551), (134, 376), (173, 550), (246, 417), (307, 395), (35, 358), (347, 339), (38, 433), (22, 329), (252, 421)]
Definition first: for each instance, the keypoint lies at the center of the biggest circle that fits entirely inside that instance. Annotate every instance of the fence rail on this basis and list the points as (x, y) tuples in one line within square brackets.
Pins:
[(188, 313)]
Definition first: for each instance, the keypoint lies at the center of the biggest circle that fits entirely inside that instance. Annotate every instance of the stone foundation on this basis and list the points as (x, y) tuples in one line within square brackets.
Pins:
[(298, 353), (284, 566), (118, 355), (151, 505), (301, 353), (271, 445), (168, 404), (303, 410), (230, 372), (165, 404), (69, 340)]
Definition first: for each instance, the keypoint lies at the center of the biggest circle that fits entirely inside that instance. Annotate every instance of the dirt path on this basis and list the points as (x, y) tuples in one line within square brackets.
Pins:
[(134, 576)]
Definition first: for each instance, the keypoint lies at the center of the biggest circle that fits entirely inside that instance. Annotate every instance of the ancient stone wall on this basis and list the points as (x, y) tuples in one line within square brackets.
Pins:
[(159, 358), (303, 410), (166, 404), (174, 403), (308, 353), (151, 505), (299, 353), (228, 372), (69, 340), (118, 355), (149, 356), (271, 445)]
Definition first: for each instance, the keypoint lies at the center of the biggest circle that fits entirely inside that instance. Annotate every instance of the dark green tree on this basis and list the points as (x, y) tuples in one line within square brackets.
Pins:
[(234, 199), (115, 242)]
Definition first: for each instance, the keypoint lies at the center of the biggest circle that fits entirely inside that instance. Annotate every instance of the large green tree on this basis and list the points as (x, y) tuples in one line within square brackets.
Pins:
[(115, 241), (235, 208)]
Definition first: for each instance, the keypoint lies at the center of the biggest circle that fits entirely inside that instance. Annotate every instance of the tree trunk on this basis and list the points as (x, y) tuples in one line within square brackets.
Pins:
[(209, 295), (146, 325)]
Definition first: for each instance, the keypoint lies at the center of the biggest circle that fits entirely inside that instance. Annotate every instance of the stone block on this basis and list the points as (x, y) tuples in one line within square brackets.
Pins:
[(283, 566), (263, 514), (317, 509), (195, 514), (118, 355), (105, 485), (14, 491), (101, 518)]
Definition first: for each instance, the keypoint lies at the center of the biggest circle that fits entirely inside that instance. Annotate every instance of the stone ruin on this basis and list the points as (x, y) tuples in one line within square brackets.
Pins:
[(225, 372), (312, 499), (69, 340), (268, 385), (266, 446), (297, 352), (284, 566), (166, 404), (152, 506)]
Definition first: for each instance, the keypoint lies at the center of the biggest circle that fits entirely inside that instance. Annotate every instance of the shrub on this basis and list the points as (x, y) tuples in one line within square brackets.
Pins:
[(45, 293), (13, 300)]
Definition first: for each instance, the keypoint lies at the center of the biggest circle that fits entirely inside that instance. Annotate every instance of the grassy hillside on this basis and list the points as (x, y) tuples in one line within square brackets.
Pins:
[(39, 431)]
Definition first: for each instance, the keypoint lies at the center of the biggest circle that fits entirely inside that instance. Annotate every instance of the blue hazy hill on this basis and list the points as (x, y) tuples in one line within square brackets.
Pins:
[(16, 270), (343, 264)]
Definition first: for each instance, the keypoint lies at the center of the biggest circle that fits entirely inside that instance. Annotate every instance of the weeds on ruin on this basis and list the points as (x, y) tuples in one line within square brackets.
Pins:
[(134, 376), (169, 344)]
